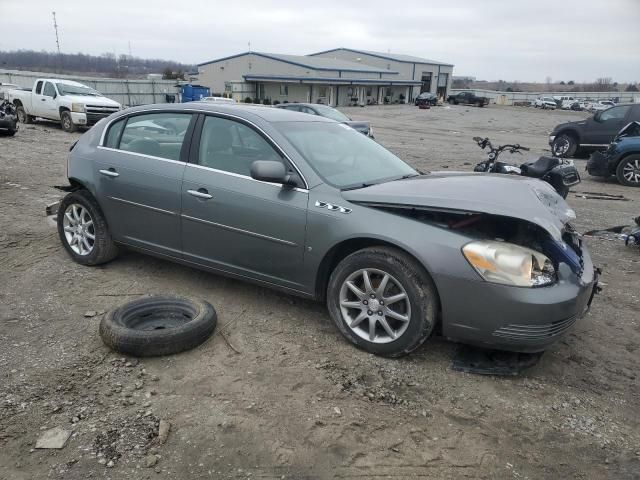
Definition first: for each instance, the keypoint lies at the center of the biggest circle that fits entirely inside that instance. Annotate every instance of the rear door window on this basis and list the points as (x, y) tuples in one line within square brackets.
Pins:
[(156, 134)]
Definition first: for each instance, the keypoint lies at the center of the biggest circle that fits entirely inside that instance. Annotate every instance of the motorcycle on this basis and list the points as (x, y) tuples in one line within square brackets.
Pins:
[(560, 173), (8, 118)]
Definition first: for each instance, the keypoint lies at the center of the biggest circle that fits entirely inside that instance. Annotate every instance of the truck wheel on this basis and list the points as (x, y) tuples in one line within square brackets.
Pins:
[(564, 146), (382, 302), (628, 171), (67, 122), (23, 117)]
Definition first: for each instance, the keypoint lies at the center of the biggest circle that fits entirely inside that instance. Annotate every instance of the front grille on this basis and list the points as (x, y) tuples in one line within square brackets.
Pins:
[(535, 332), (93, 118), (95, 113)]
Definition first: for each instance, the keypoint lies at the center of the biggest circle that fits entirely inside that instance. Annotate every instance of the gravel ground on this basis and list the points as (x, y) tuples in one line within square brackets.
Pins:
[(298, 401)]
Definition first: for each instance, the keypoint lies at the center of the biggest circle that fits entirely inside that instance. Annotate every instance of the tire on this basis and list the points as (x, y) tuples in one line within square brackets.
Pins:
[(158, 325), (564, 145), (420, 305), (103, 249), (23, 116), (628, 171), (67, 122)]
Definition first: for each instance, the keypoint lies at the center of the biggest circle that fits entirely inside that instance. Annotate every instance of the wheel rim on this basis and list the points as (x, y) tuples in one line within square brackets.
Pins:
[(79, 230), (561, 146), (631, 171), (66, 123), (375, 305)]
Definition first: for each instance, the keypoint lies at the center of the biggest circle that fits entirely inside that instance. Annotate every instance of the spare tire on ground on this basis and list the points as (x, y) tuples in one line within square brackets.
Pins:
[(158, 325)]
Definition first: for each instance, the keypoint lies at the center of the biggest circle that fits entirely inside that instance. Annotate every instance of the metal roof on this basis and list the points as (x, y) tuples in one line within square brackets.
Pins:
[(329, 80), (314, 63), (397, 57)]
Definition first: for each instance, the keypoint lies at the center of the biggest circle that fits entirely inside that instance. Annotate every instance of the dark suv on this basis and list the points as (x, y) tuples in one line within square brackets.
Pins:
[(592, 133)]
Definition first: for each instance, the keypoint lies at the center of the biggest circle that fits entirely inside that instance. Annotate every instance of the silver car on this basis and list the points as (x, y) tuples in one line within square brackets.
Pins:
[(310, 206)]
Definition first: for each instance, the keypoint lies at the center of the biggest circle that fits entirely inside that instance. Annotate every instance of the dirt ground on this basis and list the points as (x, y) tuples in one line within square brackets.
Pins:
[(297, 401)]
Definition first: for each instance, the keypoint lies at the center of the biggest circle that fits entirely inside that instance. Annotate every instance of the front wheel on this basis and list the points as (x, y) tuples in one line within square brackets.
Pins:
[(23, 116), (628, 171), (382, 302), (67, 122), (83, 229), (564, 146)]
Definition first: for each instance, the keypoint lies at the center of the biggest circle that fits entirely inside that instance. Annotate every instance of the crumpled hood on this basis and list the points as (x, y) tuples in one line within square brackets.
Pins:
[(523, 198)]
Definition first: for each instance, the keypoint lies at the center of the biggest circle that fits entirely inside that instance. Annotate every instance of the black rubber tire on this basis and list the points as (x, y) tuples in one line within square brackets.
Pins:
[(158, 325), (104, 249), (573, 145), (619, 170), (67, 122), (420, 289), (23, 116)]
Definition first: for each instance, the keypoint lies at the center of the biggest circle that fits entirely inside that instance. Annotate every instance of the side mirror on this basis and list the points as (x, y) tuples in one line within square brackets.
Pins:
[(270, 171)]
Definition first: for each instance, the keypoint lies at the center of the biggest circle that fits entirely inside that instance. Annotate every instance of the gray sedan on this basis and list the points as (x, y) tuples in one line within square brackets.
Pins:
[(329, 112), (309, 206)]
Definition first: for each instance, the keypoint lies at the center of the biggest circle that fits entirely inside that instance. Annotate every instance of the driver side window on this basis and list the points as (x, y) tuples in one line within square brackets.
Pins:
[(49, 90), (232, 146), (614, 113)]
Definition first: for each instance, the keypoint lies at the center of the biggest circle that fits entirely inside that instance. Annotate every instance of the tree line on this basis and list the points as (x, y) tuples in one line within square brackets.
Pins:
[(107, 64)]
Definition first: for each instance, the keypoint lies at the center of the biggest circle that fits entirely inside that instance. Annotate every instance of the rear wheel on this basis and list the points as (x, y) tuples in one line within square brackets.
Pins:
[(83, 229), (564, 145), (382, 302), (23, 116), (628, 171)]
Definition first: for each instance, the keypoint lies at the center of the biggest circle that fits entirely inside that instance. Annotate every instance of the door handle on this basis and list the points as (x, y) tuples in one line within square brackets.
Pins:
[(110, 173), (43, 99), (201, 193)]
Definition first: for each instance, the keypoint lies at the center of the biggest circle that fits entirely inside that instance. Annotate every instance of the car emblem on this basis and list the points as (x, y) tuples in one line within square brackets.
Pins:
[(333, 208)]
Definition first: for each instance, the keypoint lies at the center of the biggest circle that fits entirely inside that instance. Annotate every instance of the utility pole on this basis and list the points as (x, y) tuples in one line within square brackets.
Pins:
[(55, 27)]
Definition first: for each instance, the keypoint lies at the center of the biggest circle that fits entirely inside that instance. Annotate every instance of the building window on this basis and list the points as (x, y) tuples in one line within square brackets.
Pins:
[(284, 89), (369, 91), (322, 92)]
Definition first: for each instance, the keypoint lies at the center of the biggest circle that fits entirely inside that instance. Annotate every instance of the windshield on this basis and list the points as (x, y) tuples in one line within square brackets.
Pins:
[(342, 156), (66, 89), (331, 113)]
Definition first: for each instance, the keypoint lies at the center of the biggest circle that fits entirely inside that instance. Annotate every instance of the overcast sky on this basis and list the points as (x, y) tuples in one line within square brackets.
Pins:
[(523, 40)]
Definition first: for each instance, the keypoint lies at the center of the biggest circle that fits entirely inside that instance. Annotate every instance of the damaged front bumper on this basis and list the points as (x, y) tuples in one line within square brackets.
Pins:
[(516, 318)]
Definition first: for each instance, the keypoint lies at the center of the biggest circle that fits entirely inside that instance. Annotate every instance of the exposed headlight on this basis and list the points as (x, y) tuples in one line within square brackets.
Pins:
[(77, 107), (509, 264)]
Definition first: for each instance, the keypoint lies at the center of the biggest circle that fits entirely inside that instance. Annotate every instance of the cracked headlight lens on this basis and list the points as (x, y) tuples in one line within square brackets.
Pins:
[(509, 264)]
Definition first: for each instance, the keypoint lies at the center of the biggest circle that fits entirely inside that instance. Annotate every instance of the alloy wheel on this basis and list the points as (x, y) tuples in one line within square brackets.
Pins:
[(561, 146), (79, 230), (375, 305), (631, 171)]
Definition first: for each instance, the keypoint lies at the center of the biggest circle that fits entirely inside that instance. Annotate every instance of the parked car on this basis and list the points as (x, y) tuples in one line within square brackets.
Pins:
[(328, 112), (218, 100), (426, 98), (601, 105), (592, 133), (621, 159), (71, 103), (545, 103), (468, 98), (307, 205)]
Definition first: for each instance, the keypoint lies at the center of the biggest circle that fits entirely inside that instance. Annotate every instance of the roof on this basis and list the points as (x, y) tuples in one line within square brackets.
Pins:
[(244, 111), (314, 63), (329, 80), (397, 57)]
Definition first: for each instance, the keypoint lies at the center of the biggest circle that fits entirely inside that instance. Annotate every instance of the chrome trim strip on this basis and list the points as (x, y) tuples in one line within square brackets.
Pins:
[(239, 230), (594, 144), (141, 155), (238, 175), (155, 209), (196, 110)]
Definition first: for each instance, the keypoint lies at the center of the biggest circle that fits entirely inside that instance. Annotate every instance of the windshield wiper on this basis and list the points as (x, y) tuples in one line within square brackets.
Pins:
[(356, 187)]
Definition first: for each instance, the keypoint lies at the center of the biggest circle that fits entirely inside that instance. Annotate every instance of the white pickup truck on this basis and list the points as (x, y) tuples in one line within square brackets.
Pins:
[(71, 103)]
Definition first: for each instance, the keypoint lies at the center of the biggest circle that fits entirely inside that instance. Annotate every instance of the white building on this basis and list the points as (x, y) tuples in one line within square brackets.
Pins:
[(335, 77)]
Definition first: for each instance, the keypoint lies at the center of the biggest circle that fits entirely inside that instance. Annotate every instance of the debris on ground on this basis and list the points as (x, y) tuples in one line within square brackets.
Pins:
[(483, 361), (163, 431), (55, 438), (600, 196)]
